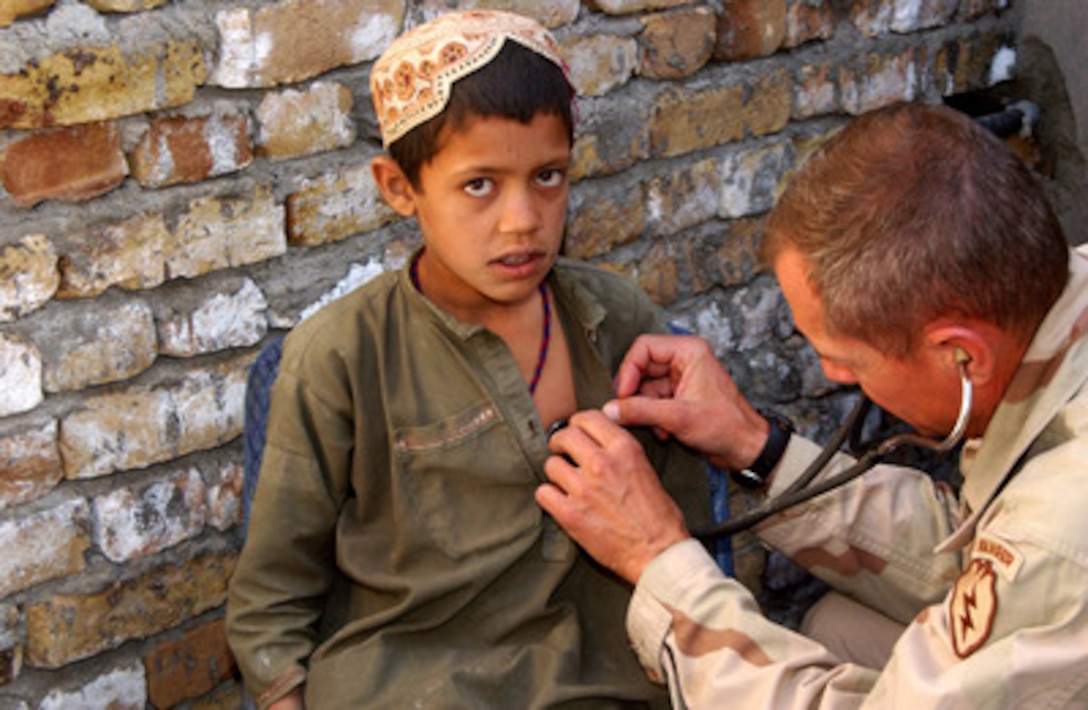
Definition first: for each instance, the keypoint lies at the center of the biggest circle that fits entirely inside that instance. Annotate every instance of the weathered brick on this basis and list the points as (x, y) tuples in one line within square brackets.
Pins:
[(808, 20), (600, 63), (209, 405), (86, 84), (30, 464), (193, 320), (335, 206), (627, 7), (963, 63), (657, 273), (677, 43), (132, 522), (94, 343), (188, 667), (221, 232), (872, 17), (11, 643), (121, 688), (294, 40), (73, 164), (603, 217), (68, 627), (681, 122), (750, 178), (735, 262), (296, 123), (750, 28), (141, 426), (877, 17), (768, 103), (20, 375), (686, 196), (877, 81), (609, 142), (128, 254), (11, 10), (912, 15), (43, 546), (358, 274), (225, 496), (209, 233), (974, 9), (125, 5), (120, 432), (815, 90), (28, 276), (179, 150), (550, 13)]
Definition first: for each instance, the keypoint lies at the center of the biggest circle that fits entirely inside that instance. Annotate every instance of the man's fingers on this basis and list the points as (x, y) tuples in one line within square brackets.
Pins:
[(661, 414), (657, 357), (648, 358)]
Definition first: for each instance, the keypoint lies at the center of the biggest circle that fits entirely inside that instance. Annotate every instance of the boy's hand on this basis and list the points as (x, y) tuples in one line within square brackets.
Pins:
[(611, 500), (676, 385)]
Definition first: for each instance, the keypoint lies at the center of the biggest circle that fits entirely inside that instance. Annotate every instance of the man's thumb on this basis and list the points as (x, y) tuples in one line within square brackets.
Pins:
[(641, 411)]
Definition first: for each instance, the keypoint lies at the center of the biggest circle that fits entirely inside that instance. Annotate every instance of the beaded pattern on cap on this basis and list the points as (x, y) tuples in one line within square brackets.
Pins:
[(411, 81)]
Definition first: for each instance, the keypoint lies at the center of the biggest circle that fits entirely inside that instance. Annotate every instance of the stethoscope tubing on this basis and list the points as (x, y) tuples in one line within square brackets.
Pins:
[(803, 489)]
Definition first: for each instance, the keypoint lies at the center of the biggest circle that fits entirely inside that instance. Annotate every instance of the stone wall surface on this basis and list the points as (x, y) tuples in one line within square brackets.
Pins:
[(184, 179)]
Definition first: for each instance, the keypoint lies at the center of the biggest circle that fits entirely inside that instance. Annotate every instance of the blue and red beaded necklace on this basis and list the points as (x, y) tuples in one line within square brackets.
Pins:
[(413, 273)]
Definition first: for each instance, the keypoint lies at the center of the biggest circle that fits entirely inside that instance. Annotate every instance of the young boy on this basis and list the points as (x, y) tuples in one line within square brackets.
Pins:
[(395, 555)]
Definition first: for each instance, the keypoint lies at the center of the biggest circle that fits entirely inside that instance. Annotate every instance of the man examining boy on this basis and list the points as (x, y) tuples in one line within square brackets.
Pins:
[(395, 556), (914, 250)]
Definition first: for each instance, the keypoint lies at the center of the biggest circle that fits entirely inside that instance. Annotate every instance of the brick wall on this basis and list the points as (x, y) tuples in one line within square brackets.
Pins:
[(182, 179)]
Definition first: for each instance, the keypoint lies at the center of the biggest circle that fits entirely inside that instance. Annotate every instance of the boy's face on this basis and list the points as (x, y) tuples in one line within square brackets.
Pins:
[(491, 205)]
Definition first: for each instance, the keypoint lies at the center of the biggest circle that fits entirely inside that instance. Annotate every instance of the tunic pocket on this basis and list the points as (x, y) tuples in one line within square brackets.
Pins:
[(468, 481)]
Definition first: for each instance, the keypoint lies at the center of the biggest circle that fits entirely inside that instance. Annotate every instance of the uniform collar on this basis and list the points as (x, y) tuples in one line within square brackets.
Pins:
[(1054, 367)]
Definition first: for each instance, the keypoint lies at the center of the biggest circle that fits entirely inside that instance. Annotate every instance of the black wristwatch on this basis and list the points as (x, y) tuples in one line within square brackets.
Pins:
[(755, 476)]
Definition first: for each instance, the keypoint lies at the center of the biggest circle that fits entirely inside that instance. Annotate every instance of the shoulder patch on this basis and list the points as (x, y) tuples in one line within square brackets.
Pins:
[(972, 607), (1006, 559)]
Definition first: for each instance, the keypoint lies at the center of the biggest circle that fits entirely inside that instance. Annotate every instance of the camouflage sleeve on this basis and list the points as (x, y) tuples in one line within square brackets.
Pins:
[(995, 641), (872, 539), (704, 635)]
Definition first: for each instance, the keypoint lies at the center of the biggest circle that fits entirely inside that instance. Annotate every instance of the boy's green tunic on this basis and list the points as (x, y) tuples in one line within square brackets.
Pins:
[(396, 556)]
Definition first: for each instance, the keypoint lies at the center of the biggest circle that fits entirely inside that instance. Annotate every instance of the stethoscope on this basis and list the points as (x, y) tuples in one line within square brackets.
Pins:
[(874, 452)]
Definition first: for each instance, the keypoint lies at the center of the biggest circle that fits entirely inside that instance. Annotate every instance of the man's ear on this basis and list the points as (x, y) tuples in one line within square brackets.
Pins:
[(394, 185), (972, 339)]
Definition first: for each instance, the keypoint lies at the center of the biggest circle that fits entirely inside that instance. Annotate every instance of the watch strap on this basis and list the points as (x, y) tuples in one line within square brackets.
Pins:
[(755, 476)]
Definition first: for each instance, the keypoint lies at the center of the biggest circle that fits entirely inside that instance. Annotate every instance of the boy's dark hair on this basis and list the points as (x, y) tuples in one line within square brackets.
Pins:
[(518, 84)]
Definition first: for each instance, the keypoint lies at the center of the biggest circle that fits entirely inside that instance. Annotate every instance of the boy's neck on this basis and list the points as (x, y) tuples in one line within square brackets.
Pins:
[(500, 317)]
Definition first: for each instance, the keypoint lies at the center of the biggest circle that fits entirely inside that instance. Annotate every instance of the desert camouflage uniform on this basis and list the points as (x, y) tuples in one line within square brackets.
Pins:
[(994, 586)]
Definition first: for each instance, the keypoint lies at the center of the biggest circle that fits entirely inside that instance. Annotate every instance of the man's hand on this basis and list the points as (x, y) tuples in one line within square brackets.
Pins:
[(611, 502), (676, 385)]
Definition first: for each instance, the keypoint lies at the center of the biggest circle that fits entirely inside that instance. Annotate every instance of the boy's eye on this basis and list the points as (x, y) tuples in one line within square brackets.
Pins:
[(551, 177), (479, 187)]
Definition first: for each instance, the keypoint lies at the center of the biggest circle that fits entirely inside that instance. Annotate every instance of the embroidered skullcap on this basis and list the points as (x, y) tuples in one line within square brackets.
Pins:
[(411, 81)]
